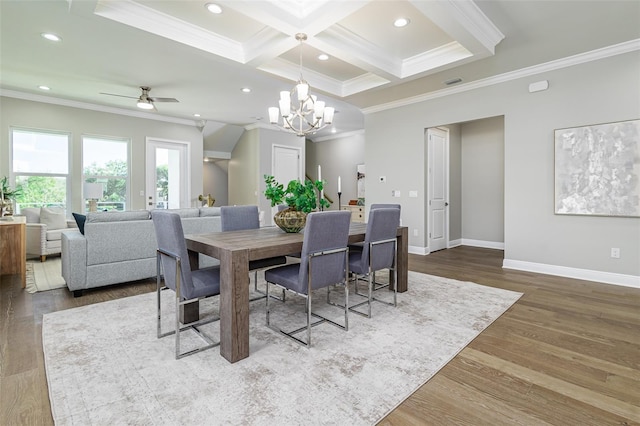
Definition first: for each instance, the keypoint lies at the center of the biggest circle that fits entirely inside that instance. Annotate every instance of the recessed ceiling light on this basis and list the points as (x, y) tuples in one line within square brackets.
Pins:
[(246, 90), (213, 8), (51, 37), (44, 87), (323, 57), (333, 130), (401, 22), (196, 115)]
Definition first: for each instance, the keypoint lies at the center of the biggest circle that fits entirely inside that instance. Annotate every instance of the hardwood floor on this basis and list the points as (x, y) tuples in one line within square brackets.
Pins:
[(567, 353)]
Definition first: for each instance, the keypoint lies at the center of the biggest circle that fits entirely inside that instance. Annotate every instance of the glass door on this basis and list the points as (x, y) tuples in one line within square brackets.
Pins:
[(167, 184)]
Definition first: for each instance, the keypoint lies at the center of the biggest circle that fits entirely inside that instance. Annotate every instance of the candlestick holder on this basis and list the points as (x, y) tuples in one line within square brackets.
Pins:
[(339, 201)]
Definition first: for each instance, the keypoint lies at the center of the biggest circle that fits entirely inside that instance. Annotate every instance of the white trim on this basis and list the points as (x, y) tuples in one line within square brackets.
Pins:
[(577, 273), (484, 244), (419, 250), (338, 135), (455, 243), (605, 52), (217, 154), (93, 107)]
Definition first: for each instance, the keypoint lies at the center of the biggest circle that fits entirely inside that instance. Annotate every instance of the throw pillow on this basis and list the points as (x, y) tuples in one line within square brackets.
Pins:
[(80, 218), (32, 214), (53, 218)]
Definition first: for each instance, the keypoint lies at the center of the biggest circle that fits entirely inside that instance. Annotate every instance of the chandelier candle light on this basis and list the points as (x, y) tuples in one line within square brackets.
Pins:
[(301, 112)]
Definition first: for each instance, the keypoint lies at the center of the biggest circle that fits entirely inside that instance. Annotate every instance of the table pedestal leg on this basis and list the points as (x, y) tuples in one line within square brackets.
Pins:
[(234, 304)]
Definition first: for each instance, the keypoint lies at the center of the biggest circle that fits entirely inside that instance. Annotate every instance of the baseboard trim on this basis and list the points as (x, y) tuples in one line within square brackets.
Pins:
[(581, 274), (418, 250), (483, 244)]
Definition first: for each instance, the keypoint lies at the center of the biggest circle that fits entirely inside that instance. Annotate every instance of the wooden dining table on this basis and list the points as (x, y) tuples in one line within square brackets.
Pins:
[(234, 250)]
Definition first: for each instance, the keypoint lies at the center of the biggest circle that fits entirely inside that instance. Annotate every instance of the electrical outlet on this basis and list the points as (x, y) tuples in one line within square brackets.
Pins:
[(615, 253), (415, 232)]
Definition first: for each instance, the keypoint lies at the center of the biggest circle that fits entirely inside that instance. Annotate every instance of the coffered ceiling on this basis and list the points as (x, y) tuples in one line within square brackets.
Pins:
[(365, 49), (181, 50)]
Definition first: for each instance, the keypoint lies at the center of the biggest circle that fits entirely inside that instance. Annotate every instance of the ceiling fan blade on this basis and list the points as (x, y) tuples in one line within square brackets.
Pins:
[(122, 96), (162, 99)]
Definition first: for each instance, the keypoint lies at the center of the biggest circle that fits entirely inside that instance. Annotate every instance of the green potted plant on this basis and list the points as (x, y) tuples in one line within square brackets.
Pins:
[(7, 193), (302, 198)]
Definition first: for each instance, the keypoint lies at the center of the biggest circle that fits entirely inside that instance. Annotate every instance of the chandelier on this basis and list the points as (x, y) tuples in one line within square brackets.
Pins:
[(302, 113)]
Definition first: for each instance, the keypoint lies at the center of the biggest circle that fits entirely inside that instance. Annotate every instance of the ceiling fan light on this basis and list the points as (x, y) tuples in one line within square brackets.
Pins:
[(144, 104)]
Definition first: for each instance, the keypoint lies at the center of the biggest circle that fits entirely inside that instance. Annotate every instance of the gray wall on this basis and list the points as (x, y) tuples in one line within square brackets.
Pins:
[(596, 92), (455, 182), (482, 168), (337, 157), (78, 122), (250, 160), (243, 170), (215, 181), (269, 138)]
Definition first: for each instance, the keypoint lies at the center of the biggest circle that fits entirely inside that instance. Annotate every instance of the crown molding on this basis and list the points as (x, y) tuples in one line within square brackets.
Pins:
[(93, 107), (581, 58), (338, 136)]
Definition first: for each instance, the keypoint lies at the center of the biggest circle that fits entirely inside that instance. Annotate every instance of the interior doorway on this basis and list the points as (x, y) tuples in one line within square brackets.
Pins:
[(286, 166), (167, 178), (438, 188)]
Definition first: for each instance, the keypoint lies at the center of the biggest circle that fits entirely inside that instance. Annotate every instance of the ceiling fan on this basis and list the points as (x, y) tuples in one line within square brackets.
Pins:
[(144, 101)]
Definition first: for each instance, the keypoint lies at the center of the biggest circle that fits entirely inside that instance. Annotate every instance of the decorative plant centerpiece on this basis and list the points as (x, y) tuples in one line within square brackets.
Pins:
[(302, 198), (7, 194)]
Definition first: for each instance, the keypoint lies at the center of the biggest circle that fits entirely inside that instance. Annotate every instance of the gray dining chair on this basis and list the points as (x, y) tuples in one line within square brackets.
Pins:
[(358, 246), (240, 218), (189, 286), (378, 252), (384, 206), (323, 263)]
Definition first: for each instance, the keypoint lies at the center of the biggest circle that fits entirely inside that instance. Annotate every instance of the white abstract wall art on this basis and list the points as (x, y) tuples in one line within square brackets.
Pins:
[(597, 169)]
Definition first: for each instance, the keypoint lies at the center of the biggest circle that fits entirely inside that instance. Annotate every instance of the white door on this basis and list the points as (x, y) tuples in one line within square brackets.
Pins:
[(167, 180), (287, 166), (438, 188)]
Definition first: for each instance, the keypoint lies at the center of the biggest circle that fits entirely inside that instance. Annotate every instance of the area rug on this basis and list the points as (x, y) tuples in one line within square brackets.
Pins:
[(43, 276), (105, 365)]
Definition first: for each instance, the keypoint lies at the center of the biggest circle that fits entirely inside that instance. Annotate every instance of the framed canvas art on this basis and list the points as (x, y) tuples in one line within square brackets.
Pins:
[(597, 169)]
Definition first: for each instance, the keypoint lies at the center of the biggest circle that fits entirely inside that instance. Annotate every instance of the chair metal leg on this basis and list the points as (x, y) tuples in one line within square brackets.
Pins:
[(178, 304)]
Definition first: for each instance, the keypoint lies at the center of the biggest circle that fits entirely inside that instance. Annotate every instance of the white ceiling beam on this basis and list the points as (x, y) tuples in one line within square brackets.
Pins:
[(147, 19), (465, 22)]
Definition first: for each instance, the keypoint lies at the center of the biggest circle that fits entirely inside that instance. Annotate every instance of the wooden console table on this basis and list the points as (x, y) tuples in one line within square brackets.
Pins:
[(13, 247)]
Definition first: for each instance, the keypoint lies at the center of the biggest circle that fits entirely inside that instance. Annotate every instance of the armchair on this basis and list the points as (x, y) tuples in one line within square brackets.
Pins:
[(44, 229)]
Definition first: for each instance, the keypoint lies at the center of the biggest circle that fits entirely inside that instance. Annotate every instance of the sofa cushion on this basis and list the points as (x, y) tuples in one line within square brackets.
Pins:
[(109, 242), (187, 212), (98, 217), (80, 219), (209, 211), (54, 235), (53, 218), (32, 214)]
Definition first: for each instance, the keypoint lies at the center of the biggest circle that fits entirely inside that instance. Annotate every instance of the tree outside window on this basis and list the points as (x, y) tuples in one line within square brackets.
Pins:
[(105, 161)]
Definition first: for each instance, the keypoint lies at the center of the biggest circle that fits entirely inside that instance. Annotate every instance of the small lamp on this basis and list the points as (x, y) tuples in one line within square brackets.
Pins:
[(92, 192)]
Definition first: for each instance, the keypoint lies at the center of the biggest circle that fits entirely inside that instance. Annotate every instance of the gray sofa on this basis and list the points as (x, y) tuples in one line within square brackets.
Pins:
[(119, 247)]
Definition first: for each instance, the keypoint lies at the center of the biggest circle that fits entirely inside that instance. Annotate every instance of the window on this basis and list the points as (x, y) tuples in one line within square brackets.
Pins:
[(106, 162), (40, 165)]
